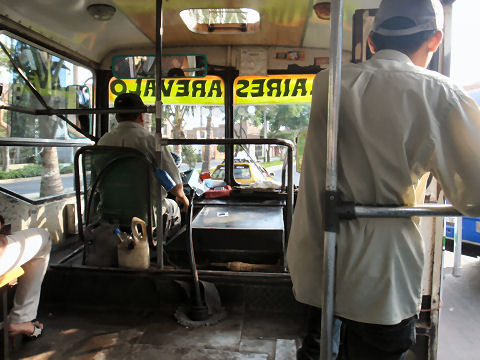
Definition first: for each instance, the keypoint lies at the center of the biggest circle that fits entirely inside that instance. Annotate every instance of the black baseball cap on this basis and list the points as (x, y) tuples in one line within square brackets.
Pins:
[(128, 101)]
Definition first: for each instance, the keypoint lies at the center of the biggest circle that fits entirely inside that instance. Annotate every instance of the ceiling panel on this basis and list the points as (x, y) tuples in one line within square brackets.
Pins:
[(282, 22), (68, 23)]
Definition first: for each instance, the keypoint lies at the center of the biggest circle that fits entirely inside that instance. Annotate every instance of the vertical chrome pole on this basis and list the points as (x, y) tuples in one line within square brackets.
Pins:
[(289, 204), (457, 247), (158, 121), (336, 23)]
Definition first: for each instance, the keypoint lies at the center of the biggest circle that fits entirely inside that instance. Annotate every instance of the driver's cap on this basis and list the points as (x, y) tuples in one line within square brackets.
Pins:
[(128, 101)]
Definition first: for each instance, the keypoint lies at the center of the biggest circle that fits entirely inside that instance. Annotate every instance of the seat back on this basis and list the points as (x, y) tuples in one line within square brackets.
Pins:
[(115, 183)]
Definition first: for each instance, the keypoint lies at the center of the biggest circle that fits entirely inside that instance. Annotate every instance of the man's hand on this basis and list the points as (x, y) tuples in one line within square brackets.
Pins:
[(182, 201), (180, 197)]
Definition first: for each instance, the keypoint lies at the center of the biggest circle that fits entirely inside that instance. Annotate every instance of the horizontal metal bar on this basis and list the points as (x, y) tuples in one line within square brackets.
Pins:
[(15, 141), (281, 142), (41, 201), (404, 211), (147, 109), (19, 109)]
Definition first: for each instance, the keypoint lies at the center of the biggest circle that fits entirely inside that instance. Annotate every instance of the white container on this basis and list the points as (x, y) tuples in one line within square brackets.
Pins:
[(135, 254)]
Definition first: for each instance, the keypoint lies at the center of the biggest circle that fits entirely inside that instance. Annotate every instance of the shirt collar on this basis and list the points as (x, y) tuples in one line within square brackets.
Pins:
[(128, 124), (392, 55)]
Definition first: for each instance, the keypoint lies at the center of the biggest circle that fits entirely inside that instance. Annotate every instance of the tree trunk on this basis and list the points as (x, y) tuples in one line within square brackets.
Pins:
[(51, 183), (206, 155), (178, 130), (6, 158), (5, 150)]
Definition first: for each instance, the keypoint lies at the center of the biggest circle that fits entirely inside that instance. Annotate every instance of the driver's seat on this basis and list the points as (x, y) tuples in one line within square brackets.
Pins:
[(116, 183)]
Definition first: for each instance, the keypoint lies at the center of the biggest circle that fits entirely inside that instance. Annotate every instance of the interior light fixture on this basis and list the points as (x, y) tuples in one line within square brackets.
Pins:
[(221, 20), (322, 10), (101, 12)]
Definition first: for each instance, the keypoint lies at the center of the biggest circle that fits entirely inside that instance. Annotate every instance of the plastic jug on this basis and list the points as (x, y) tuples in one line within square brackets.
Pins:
[(135, 254)]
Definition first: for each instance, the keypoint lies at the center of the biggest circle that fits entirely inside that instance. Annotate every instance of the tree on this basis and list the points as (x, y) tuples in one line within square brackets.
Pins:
[(206, 155), (43, 71), (4, 128), (282, 121), (175, 116)]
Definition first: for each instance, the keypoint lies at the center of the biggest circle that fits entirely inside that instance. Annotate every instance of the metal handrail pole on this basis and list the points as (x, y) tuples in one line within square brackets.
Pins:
[(158, 120), (457, 248), (281, 142), (404, 211), (334, 77), (289, 191)]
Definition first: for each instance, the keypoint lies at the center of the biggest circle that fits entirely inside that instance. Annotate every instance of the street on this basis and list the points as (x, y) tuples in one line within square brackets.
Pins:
[(30, 187)]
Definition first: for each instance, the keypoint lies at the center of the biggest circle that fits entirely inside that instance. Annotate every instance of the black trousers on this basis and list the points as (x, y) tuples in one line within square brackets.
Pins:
[(361, 341)]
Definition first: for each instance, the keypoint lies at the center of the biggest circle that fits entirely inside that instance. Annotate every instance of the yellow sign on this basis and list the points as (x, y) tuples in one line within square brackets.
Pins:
[(273, 89), (209, 90)]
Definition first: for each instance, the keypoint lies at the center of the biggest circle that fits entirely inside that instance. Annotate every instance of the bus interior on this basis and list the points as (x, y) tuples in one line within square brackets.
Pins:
[(236, 80)]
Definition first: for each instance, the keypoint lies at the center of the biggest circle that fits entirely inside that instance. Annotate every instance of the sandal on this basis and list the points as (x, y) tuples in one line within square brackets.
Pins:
[(37, 331)]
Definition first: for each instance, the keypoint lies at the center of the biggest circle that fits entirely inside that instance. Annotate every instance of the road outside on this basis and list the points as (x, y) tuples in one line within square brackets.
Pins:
[(30, 187)]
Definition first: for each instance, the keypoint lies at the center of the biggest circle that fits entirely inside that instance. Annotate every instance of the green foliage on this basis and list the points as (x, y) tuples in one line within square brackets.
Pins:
[(67, 169), (268, 164), (31, 171), (27, 171), (288, 135), (189, 156), (221, 148), (284, 121)]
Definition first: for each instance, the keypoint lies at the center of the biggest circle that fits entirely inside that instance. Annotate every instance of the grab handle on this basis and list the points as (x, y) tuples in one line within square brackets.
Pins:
[(135, 222)]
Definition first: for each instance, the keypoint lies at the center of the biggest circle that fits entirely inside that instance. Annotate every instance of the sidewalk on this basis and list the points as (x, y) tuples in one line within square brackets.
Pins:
[(459, 325)]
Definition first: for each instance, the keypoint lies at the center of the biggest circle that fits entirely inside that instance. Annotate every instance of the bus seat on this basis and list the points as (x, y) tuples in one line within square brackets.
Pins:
[(116, 186)]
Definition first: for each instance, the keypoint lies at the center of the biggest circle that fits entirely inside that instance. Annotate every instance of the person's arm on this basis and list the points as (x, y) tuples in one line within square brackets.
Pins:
[(180, 197), (456, 156), (168, 164)]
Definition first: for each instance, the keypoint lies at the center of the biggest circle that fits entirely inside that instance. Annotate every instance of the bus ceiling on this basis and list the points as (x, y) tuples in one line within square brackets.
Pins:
[(131, 28)]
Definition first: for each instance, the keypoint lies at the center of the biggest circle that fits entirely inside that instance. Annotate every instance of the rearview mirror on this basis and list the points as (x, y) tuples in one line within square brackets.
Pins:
[(143, 66)]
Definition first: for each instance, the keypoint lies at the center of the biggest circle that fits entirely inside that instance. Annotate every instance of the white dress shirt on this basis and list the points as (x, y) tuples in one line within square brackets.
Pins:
[(133, 135), (397, 121)]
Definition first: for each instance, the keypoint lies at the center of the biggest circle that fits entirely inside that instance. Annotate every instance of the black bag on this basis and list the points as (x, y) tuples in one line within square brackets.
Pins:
[(101, 244)]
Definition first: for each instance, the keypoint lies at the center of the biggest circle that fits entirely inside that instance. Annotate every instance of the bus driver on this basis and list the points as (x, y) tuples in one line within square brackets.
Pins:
[(131, 133)]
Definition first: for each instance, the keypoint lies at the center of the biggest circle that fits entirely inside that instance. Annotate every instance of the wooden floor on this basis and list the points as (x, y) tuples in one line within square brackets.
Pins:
[(83, 333)]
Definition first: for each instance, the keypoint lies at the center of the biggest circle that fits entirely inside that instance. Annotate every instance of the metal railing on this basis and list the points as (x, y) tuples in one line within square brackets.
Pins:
[(280, 142)]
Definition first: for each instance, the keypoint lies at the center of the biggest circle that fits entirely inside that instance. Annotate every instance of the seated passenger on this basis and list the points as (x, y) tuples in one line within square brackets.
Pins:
[(30, 249), (131, 133)]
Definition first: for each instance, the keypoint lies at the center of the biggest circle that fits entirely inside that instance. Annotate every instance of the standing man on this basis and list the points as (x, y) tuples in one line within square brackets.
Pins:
[(130, 132), (397, 121)]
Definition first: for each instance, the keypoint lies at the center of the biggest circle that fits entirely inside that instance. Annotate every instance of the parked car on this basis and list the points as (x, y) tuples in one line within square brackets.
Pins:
[(244, 172)]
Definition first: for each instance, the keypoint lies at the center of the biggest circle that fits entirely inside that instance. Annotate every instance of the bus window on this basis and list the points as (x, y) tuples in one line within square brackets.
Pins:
[(276, 106), (193, 109), (39, 165), (79, 98)]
